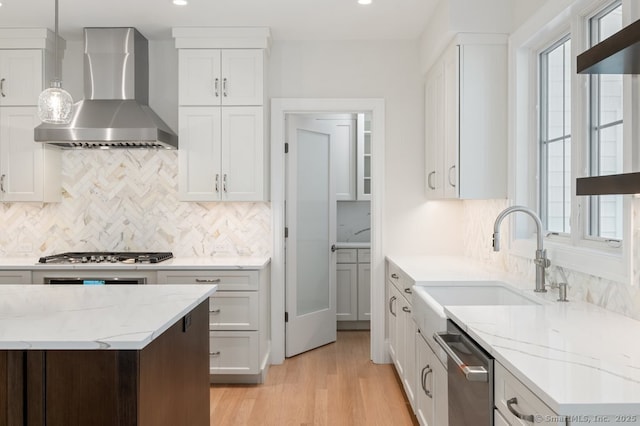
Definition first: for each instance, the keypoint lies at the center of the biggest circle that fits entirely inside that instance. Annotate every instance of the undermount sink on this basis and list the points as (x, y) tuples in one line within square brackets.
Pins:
[(493, 293)]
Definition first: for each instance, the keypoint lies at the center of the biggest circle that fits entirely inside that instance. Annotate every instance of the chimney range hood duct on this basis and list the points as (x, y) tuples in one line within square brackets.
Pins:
[(115, 111)]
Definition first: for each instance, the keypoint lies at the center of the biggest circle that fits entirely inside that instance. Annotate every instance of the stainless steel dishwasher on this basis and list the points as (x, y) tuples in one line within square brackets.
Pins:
[(469, 378)]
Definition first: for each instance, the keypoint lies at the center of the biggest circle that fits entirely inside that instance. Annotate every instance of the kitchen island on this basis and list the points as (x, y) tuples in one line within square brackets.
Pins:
[(104, 355)]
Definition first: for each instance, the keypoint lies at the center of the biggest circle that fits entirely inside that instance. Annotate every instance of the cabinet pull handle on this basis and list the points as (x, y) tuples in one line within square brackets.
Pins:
[(217, 182), (525, 417), (395, 276), (393, 298), (208, 280), (216, 311), (216, 353), (406, 309), (450, 170), (408, 291), (2, 88), (425, 372), (429, 184), (224, 182), (224, 87), (2, 183), (216, 84)]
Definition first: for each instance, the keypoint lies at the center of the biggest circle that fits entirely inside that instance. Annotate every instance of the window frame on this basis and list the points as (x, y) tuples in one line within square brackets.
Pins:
[(594, 257)]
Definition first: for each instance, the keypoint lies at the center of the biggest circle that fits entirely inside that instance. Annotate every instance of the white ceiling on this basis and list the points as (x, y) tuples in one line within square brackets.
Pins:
[(288, 19)]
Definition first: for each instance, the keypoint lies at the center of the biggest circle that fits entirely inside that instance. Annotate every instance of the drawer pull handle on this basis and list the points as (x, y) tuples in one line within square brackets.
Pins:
[(393, 298), (216, 311), (525, 417), (395, 276), (406, 309), (408, 291), (208, 280), (216, 353)]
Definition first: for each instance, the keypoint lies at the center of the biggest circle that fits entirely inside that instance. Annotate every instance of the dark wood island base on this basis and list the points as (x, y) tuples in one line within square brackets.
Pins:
[(164, 384)]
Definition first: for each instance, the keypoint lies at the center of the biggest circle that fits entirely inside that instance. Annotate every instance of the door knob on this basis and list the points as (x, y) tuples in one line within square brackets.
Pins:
[(333, 248)]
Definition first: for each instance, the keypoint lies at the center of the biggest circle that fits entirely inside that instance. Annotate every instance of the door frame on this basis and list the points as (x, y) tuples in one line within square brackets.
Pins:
[(279, 108)]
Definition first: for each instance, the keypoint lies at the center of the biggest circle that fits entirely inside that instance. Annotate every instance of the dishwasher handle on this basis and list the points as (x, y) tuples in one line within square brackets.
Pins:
[(473, 373)]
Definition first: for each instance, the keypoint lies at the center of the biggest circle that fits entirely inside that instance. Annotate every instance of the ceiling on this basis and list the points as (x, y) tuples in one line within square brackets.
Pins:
[(288, 19)]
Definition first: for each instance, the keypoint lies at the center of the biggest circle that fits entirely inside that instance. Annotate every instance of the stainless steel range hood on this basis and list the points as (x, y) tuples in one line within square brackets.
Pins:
[(115, 111)]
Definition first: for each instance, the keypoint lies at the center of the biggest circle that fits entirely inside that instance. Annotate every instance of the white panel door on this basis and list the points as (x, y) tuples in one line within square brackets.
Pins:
[(21, 159), (242, 77), (199, 153), (20, 77), (200, 82), (242, 154), (311, 223)]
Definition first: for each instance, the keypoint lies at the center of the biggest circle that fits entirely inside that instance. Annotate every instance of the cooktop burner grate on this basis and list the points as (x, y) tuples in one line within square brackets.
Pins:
[(107, 257)]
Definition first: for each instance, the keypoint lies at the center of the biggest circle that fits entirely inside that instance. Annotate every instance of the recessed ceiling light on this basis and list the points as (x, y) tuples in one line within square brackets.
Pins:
[(364, 1), (180, 2)]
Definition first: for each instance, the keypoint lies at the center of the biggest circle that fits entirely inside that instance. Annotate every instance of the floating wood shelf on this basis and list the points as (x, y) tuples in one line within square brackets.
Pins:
[(626, 183), (618, 54)]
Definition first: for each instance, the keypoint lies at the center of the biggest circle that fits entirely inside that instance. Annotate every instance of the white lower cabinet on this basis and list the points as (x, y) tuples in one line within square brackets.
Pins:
[(353, 285), (431, 397), (401, 330), (239, 322), (517, 404)]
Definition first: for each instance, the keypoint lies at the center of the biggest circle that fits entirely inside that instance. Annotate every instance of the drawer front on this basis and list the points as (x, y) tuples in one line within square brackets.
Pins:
[(234, 352), (234, 310), (15, 277), (347, 256), (508, 387), (364, 255), (399, 279), (226, 280)]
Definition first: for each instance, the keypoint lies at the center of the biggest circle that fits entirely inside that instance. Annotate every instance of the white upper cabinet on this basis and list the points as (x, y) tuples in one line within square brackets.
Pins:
[(29, 171), (221, 154), (20, 76), (222, 148), (466, 120), (221, 77)]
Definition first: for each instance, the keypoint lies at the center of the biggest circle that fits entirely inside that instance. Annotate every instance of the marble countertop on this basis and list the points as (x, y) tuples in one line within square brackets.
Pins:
[(348, 245), (45, 317), (578, 358), (176, 263)]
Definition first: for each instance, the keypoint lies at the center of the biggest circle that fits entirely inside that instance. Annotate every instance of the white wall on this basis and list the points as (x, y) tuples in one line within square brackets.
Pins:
[(377, 69)]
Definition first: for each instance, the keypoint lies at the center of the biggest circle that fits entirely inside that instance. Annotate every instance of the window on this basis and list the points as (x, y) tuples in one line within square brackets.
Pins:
[(555, 136), (606, 141)]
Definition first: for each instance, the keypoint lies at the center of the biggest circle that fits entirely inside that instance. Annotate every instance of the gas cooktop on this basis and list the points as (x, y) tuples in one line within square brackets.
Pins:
[(107, 257)]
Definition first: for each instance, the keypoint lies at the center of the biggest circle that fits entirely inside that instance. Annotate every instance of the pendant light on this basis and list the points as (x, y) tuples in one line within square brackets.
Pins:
[(55, 103)]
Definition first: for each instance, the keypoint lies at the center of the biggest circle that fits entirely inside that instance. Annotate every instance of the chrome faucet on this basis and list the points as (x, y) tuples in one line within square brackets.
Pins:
[(541, 260)]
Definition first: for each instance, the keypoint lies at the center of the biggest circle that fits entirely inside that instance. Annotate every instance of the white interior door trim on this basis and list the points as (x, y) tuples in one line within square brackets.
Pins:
[(279, 108)]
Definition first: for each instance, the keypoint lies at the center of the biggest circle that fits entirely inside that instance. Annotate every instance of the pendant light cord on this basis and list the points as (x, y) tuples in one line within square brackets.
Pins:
[(55, 46)]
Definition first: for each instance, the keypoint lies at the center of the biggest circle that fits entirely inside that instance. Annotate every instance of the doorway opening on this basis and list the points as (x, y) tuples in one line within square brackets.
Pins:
[(323, 302)]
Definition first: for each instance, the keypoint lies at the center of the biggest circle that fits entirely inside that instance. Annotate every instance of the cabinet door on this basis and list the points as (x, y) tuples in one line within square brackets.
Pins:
[(199, 80), (20, 77), (200, 176), (434, 89), (24, 163), (242, 154), (450, 122), (344, 159), (364, 157), (242, 77), (347, 292), (364, 291), (410, 333), (425, 404)]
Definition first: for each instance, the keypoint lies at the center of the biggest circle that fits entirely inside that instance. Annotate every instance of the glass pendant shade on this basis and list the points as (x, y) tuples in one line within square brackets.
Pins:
[(55, 104)]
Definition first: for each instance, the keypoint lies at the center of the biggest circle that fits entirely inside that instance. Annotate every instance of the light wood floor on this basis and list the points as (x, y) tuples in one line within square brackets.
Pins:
[(333, 385)]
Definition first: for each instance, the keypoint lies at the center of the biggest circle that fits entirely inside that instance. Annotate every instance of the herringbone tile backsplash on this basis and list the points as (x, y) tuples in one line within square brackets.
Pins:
[(128, 200)]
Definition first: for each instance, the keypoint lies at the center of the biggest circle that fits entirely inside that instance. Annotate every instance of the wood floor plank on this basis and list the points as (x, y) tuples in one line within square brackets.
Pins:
[(333, 385)]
